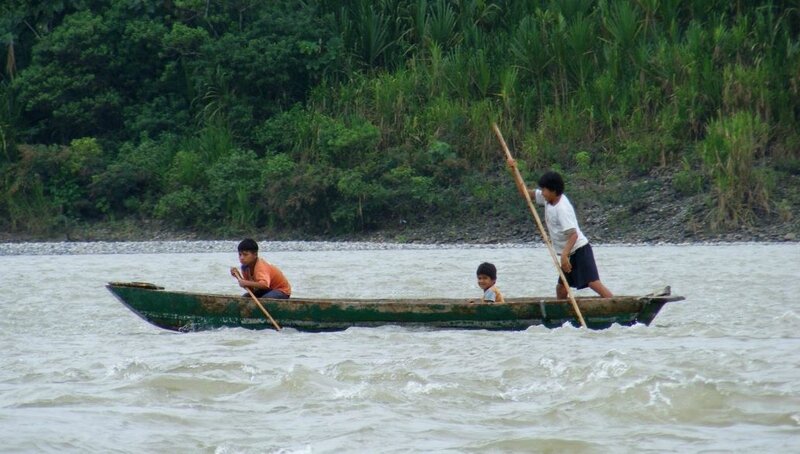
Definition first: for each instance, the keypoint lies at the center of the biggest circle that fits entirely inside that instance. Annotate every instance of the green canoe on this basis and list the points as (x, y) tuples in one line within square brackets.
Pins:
[(185, 311)]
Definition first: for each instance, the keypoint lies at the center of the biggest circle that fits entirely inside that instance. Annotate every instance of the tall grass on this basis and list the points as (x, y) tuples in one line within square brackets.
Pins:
[(24, 202), (8, 119), (733, 147), (627, 68)]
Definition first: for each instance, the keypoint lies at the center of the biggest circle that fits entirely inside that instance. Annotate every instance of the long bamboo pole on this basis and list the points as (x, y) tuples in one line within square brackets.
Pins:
[(512, 164), (238, 275)]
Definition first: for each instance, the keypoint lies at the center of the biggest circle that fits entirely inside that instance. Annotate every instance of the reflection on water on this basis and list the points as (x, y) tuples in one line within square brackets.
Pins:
[(718, 372)]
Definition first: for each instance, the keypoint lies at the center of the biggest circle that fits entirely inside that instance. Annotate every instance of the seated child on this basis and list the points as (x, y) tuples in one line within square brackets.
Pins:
[(487, 276), (264, 279)]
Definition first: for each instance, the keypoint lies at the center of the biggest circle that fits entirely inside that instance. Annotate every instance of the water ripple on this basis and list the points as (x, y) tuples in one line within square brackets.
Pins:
[(81, 373)]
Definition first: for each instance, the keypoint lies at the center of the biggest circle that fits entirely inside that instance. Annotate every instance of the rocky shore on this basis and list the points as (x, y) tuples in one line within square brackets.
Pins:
[(657, 214)]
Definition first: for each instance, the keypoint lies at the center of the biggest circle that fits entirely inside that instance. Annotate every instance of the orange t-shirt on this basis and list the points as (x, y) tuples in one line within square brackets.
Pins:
[(269, 275)]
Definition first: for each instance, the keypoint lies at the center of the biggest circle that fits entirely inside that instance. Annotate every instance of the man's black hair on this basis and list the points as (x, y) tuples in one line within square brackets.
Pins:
[(552, 181), (248, 244), (487, 269)]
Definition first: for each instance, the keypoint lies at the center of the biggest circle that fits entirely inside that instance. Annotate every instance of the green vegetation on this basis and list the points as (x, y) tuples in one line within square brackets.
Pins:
[(329, 117)]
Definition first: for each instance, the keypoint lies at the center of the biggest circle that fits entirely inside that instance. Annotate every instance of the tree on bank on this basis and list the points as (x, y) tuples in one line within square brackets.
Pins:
[(341, 116)]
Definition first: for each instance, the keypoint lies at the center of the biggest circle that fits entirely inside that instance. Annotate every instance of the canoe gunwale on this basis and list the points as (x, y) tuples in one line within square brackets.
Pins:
[(192, 311), (410, 301)]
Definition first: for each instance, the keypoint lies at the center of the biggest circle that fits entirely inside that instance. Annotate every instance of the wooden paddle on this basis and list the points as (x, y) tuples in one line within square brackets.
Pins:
[(512, 164), (238, 275)]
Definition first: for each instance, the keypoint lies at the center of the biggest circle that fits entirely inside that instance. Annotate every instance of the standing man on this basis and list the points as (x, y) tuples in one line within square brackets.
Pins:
[(577, 258)]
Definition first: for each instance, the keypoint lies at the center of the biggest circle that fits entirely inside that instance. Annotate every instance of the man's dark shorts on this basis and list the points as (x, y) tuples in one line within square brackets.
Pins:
[(584, 269)]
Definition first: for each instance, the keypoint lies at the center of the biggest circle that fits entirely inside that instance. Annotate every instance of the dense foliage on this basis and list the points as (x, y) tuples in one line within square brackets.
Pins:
[(338, 116)]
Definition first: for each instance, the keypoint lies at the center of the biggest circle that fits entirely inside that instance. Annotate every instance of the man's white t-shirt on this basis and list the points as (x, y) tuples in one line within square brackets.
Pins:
[(560, 218)]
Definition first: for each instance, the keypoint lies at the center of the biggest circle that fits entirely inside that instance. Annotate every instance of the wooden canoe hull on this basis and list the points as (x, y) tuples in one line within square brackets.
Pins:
[(185, 311)]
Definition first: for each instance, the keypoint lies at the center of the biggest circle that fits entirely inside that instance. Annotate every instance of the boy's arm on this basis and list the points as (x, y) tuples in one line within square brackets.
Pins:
[(253, 284), (512, 164), (258, 282), (572, 237), (537, 197), (243, 283)]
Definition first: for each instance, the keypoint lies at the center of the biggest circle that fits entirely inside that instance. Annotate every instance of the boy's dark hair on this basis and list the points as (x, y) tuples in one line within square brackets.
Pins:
[(487, 269), (248, 244), (552, 181)]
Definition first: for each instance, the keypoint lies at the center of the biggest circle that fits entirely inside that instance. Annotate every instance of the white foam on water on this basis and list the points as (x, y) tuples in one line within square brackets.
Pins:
[(717, 372)]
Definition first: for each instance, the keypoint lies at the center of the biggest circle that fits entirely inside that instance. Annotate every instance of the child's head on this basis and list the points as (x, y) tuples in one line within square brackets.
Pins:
[(487, 275), (552, 181), (248, 252)]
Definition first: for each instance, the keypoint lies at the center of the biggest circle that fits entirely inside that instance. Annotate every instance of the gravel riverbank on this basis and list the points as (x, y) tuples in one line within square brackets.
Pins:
[(654, 214)]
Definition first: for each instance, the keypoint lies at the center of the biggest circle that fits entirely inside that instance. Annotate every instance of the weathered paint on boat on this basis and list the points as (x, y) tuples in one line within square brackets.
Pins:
[(185, 311)]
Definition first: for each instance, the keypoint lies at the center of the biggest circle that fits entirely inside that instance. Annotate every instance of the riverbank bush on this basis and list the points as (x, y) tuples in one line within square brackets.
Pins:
[(349, 116)]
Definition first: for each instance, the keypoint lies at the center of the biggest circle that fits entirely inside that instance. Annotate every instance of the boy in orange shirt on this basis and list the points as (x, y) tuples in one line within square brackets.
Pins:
[(263, 279)]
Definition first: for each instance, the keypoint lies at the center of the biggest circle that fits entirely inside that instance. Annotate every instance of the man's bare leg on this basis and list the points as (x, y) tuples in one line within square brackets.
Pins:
[(561, 291), (600, 289)]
